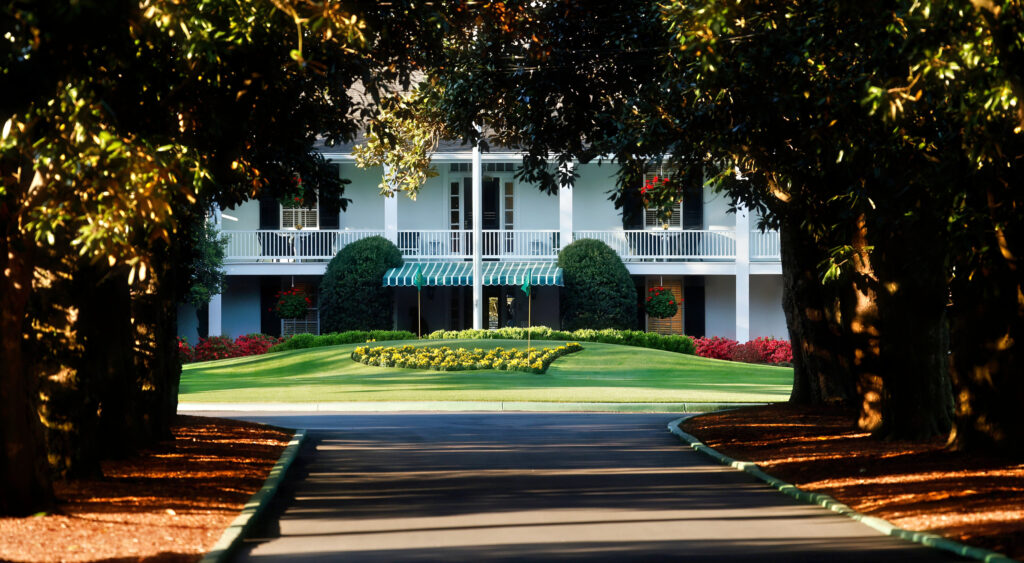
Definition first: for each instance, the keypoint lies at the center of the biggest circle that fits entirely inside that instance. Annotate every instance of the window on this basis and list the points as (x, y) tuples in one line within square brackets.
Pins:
[(295, 217), (651, 215)]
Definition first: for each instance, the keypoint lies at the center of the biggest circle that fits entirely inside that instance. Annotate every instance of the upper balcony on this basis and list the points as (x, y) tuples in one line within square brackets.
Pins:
[(634, 247)]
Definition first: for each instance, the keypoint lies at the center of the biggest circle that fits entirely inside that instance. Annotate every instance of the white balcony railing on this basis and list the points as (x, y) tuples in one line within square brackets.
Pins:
[(666, 245), (765, 246), (297, 246), (632, 246), (452, 244)]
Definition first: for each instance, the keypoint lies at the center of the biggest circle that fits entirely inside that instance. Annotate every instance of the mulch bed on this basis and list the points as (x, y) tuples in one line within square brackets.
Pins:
[(171, 503), (974, 499)]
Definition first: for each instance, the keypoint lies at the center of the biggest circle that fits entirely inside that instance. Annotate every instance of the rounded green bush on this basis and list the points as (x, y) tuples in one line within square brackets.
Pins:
[(352, 296), (598, 290)]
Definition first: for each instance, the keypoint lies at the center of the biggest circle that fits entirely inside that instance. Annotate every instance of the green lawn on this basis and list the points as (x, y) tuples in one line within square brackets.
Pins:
[(600, 373)]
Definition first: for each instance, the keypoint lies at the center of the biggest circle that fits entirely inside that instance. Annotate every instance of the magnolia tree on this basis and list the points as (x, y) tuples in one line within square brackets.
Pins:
[(127, 122)]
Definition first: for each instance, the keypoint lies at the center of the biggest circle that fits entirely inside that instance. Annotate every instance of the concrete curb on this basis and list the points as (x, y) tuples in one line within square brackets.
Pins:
[(460, 406), (258, 502), (882, 526)]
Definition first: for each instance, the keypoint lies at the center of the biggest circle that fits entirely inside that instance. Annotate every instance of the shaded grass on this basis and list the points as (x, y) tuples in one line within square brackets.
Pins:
[(600, 373)]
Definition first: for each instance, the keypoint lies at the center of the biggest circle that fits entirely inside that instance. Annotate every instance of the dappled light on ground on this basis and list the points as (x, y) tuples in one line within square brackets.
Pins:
[(170, 503), (972, 498)]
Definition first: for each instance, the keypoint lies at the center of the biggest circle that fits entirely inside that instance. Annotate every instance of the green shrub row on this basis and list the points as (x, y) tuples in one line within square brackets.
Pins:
[(670, 342), (300, 341), (443, 358)]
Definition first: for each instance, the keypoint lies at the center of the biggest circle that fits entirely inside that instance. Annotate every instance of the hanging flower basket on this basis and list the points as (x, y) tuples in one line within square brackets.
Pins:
[(661, 304), (292, 304)]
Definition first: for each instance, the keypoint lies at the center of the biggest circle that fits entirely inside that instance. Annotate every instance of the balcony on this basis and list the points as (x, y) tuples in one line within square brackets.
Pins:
[(257, 247)]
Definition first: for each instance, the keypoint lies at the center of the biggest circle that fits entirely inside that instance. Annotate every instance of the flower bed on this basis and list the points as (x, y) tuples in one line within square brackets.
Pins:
[(220, 347), (443, 358), (761, 350)]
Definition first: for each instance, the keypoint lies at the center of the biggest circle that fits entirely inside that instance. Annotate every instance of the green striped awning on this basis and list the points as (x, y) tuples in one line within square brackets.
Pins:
[(461, 273)]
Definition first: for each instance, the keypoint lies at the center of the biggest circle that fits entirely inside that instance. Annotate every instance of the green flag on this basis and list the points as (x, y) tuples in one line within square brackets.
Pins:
[(526, 286), (418, 280)]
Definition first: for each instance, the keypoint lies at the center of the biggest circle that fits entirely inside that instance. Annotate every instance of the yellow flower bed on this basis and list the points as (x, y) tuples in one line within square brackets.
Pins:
[(443, 358)]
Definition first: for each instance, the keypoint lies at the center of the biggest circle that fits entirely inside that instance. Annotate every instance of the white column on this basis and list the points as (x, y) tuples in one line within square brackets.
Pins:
[(478, 276), (217, 220), (742, 273), (565, 212), (216, 304), (391, 214)]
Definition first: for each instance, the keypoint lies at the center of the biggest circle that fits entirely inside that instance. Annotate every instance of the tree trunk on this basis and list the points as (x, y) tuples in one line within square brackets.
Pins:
[(911, 290), (987, 336), (157, 361), (25, 485), (821, 371)]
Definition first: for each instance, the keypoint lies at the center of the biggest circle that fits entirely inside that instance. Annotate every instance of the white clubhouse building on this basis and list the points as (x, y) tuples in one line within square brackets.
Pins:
[(727, 271)]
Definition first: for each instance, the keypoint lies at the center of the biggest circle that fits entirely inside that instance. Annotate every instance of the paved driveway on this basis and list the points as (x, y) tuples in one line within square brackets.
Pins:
[(509, 486)]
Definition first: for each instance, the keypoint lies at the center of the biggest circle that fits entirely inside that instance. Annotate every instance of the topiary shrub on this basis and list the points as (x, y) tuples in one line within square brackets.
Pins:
[(598, 290), (351, 294)]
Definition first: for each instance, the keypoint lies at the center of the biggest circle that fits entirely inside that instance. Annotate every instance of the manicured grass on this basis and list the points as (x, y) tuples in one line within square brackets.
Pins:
[(600, 373)]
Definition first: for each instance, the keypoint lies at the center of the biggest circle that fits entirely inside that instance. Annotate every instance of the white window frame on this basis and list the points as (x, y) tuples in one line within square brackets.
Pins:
[(304, 214)]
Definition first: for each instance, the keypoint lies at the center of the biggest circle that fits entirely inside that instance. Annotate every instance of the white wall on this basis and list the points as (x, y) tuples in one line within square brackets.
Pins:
[(366, 210), (591, 208), (720, 306), (248, 215), (716, 210), (534, 208), (241, 306), (429, 211), (766, 316)]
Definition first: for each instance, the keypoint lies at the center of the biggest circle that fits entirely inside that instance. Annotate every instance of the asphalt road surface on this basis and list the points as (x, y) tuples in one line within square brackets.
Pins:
[(537, 487)]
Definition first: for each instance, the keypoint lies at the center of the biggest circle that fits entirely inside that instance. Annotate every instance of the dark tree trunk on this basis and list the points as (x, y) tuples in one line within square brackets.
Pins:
[(25, 485), (109, 361), (157, 361), (821, 372), (987, 337), (66, 297), (911, 290)]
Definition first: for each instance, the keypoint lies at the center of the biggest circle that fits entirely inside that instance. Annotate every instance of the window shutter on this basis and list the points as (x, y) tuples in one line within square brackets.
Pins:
[(270, 214), (330, 207), (693, 207)]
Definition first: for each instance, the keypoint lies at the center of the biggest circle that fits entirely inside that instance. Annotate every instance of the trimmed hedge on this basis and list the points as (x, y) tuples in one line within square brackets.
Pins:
[(670, 342), (598, 290), (351, 294), (300, 341)]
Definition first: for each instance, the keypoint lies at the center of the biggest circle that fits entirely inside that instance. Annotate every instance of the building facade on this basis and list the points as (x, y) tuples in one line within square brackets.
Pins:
[(728, 273)]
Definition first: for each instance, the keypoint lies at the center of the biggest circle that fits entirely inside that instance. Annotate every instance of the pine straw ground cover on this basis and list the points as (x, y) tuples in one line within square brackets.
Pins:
[(171, 503), (974, 499)]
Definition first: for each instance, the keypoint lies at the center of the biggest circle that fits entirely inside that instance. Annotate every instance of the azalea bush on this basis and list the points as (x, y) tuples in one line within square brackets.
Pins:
[(185, 352), (761, 350), (669, 342), (443, 358), (292, 304), (220, 347), (661, 303), (716, 347)]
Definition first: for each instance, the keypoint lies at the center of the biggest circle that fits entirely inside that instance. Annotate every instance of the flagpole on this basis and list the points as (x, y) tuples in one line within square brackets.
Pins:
[(529, 325), (419, 316)]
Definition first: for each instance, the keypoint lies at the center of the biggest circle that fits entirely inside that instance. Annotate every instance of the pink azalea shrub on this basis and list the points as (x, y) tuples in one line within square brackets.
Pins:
[(716, 347), (761, 350), (220, 347)]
